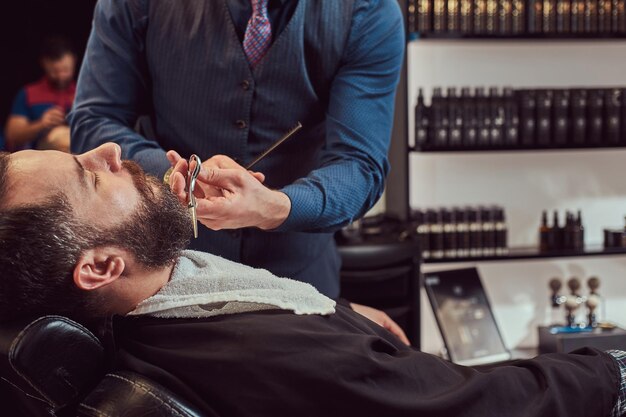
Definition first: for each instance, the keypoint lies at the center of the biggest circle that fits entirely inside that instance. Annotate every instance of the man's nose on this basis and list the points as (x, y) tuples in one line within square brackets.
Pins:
[(107, 156)]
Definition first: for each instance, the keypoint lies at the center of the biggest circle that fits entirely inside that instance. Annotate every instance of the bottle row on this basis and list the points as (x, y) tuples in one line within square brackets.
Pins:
[(517, 17), (571, 236), (461, 232), (517, 119)]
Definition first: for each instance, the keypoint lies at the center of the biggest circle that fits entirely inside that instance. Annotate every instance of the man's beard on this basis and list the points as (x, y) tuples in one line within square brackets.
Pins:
[(159, 229)]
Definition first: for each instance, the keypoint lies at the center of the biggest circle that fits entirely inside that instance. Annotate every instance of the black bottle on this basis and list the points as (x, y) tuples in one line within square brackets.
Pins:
[(467, 16), (560, 120), (511, 119), (453, 15), (555, 241), (462, 233), (488, 231), (476, 234), (528, 117), (595, 105), (421, 121), (450, 245), (577, 16), (501, 231), (569, 231), (578, 116), (579, 235), (470, 122), (455, 117), (483, 117), (563, 16), (544, 233), (544, 117), (518, 23), (439, 120), (436, 234), (612, 113), (496, 107), (424, 14)]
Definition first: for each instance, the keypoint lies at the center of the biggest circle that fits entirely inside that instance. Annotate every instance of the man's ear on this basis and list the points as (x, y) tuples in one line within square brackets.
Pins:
[(98, 267)]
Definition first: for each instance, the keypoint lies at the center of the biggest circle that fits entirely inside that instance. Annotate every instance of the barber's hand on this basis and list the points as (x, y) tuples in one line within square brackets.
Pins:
[(230, 197), (381, 318), (52, 117), (202, 190)]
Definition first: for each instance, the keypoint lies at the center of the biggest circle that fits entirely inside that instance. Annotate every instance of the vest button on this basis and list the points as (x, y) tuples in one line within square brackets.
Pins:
[(245, 85), (241, 124)]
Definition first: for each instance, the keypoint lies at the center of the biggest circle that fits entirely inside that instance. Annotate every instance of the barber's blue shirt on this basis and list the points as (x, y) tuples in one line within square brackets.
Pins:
[(333, 66)]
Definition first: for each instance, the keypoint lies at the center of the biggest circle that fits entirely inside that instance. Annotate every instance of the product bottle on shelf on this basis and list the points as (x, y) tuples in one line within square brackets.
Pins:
[(563, 16), (578, 116), (467, 16), (549, 16), (422, 228), (439, 120), (424, 15), (453, 16), (462, 233), (488, 231), (455, 116), (595, 104), (450, 245), (501, 232), (505, 17), (560, 129), (544, 233), (436, 234), (491, 21), (591, 16), (528, 117), (476, 233), (579, 240), (421, 121), (439, 16), (470, 122), (555, 241), (544, 116), (511, 118), (497, 117), (612, 113), (518, 17), (480, 17), (483, 117), (578, 16), (535, 16), (569, 231)]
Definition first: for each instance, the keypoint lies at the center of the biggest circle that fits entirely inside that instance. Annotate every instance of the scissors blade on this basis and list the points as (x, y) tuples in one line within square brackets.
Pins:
[(192, 176)]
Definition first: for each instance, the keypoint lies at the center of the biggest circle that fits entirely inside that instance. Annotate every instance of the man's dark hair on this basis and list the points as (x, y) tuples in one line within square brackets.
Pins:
[(39, 246), (55, 48)]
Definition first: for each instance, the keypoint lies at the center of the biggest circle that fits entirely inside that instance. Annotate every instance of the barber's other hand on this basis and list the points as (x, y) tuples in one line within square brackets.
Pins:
[(381, 318), (52, 117), (202, 190)]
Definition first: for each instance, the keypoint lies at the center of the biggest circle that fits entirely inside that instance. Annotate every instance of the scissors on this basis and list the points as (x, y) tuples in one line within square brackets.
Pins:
[(192, 176)]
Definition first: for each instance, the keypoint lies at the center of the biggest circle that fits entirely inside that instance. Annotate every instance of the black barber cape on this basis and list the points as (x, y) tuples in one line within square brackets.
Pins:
[(275, 363)]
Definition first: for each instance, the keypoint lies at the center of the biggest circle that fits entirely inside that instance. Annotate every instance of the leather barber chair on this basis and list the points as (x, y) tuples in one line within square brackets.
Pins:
[(53, 366)]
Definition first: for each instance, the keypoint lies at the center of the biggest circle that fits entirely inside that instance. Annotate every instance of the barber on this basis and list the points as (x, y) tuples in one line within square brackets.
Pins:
[(224, 79)]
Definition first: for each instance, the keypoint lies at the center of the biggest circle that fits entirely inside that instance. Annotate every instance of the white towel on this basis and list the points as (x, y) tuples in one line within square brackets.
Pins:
[(204, 285)]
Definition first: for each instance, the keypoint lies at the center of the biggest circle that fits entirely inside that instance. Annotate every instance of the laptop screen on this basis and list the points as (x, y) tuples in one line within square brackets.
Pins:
[(464, 317)]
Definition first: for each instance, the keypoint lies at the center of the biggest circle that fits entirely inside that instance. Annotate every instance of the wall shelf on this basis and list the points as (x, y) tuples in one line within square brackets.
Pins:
[(515, 254), (565, 148), (521, 37)]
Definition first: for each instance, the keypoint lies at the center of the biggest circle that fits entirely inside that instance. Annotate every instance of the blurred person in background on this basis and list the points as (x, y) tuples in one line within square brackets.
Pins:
[(37, 119)]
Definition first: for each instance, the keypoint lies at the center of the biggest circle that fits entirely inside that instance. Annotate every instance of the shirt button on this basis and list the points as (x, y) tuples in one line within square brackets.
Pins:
[(241, 124), (245, 85)]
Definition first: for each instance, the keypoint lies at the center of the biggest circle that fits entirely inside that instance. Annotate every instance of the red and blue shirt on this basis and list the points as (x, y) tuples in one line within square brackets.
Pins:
[(35, 99)]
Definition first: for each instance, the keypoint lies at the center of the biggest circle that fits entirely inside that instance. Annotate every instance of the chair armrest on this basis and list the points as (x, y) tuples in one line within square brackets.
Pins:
[(130, 394)]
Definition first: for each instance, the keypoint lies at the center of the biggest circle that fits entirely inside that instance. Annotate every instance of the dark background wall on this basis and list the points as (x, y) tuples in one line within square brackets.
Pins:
[(23, 24)]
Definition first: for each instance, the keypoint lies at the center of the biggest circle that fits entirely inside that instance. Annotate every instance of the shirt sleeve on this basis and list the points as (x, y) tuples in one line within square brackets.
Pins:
[(106, 111), (354, 164), (20, 107), (620, 407)]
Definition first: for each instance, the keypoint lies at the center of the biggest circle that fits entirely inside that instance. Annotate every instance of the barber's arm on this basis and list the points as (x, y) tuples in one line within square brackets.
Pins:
[(107, 111)]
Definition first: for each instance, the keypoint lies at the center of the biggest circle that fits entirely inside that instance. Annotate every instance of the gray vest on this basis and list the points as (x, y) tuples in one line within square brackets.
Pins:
[(196, 60)]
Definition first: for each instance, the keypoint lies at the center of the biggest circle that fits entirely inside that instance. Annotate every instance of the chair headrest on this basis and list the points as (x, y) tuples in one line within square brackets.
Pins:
[(56, 357)]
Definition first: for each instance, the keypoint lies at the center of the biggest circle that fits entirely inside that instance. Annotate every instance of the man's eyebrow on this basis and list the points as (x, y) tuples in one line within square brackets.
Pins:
[(81, 173)]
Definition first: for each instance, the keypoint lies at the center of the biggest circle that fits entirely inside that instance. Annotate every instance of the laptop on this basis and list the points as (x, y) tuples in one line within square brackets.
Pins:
[(464, 317)]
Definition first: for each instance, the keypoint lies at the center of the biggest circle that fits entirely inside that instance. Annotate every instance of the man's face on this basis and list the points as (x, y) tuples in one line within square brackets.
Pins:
[(130, 209), (60, 72)]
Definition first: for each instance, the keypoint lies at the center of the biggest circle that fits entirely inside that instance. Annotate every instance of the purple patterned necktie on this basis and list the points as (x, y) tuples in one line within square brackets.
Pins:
[(258, 35)]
